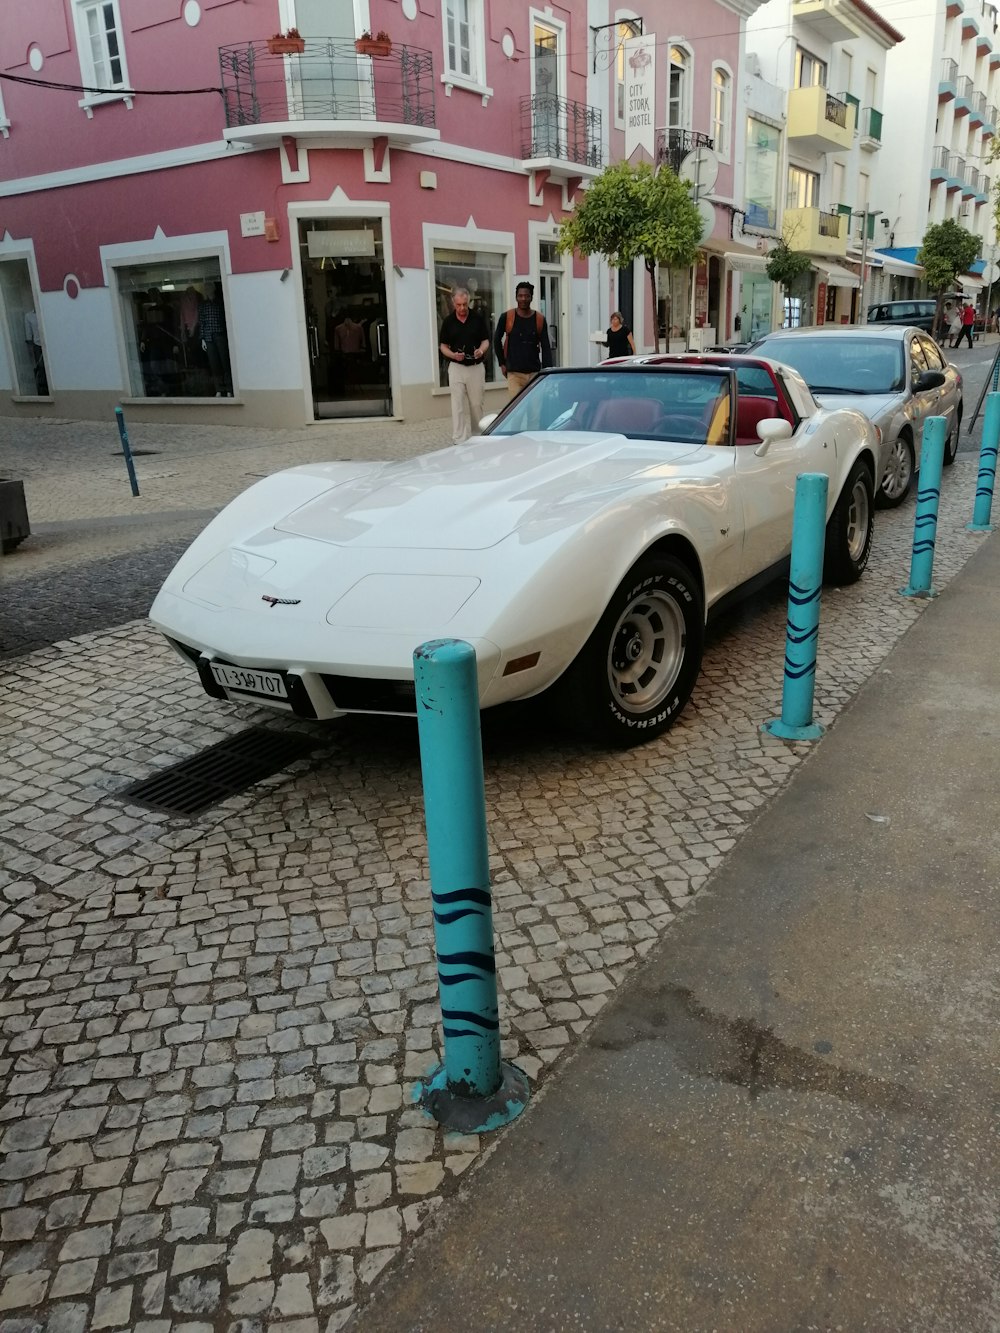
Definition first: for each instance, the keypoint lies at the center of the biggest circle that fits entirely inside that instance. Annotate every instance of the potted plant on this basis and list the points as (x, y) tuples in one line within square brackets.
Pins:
[(379, 45), (286, 43)]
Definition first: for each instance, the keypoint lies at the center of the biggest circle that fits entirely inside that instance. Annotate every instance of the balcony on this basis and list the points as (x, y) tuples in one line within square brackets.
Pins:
[(816, 232), (327, 92), (956, 172), (939, 164), (970, 27), (831, 19), (673, 146), (948, 81), (818, 121), (977, 109), (871, 129), (954, 8), (990, 123), (970, 182), (984, 43), (963, 96), (560, 137)]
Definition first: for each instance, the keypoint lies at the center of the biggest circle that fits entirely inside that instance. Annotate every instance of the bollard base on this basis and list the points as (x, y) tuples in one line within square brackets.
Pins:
[(474, 1115), (979, 527), (775, 727), (919, 592)]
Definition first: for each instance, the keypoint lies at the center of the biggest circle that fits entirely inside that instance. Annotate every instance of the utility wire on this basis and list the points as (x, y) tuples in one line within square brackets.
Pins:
[(114, 92)]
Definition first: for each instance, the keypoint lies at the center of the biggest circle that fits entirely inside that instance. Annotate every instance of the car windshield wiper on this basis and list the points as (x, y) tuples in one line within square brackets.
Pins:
[(833, 388)]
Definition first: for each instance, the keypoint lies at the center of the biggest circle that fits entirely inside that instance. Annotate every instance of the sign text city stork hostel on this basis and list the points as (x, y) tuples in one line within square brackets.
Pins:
[(640, 94)]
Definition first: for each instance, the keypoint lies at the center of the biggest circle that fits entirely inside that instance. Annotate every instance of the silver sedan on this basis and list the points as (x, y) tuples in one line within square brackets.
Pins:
[(896, 376)]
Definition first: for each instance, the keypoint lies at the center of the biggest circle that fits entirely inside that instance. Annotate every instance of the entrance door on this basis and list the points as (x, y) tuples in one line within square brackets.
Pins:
[(550, 304), (343, 280), (330, 81)]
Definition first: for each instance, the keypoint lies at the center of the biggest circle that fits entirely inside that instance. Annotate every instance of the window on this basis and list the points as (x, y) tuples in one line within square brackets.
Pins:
[(546, 89), (847, 64), (678, 116), (803, 189), (809, 72), (763, 149), (102, 51), (176, 336), (722, 86), (483, 274), (463, 40), (17, 305)]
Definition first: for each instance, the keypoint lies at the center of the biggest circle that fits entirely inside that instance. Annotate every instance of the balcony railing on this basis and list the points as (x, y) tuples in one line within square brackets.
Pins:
[(836, 111), (956, 167), (327, 81), (965, 87), (991, 114), (828, 224), (555, 127), (939, 158), (673, 145), (949, 71), (871, 123)]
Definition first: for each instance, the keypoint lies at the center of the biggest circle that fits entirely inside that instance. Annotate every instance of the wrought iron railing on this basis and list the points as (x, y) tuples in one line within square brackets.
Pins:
[(871, 123), (559, 128), (836, 111), (327, 81), (673, 146), (949, 70)]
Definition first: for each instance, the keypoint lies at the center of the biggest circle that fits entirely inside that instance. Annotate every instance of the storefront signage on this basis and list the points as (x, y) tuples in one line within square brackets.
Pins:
[(251, 224), (340, 244), (640, 93)]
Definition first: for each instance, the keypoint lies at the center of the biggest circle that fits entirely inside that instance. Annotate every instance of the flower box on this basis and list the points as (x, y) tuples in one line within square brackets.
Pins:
[(286, 46), (373, 46)]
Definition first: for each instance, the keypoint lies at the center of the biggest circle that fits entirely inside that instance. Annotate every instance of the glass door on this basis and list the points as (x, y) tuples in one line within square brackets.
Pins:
[(550, 301), (329, 81), (17, 303), (546, 90), (343, 280)]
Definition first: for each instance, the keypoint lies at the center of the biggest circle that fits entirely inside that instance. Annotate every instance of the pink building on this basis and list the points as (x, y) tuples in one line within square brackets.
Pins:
[(195, 219)]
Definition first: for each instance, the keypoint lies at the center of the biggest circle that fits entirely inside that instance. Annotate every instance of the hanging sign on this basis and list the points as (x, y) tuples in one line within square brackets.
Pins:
[(640, 93)]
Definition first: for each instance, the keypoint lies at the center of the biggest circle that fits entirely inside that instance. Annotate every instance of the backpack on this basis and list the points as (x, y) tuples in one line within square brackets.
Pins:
[(509, 324)]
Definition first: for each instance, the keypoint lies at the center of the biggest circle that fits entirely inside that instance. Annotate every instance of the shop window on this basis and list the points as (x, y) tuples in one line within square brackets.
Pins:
[(17, 302), (176, 330), (483, 274)]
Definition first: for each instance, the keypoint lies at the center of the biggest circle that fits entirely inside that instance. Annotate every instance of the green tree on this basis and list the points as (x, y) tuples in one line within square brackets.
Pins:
[(784, 265), (947, 251), (631, 212)]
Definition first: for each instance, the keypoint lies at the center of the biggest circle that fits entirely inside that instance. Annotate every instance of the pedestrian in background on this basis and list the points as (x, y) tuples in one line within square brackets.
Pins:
[(522, 341), (968, 323), (465, 340), (619, 338), (954, 327)]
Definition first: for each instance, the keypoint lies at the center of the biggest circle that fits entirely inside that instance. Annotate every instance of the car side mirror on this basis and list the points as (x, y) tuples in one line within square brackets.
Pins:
[(928, 379), (770, 430), (488, 420)]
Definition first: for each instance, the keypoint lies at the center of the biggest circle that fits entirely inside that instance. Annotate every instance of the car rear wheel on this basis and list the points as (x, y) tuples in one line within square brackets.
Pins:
[(636, 672), (850, 527), (898, 476)]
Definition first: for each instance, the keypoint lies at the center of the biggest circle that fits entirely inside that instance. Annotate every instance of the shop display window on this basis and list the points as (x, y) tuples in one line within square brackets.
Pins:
[(483, 274), (17, 302)]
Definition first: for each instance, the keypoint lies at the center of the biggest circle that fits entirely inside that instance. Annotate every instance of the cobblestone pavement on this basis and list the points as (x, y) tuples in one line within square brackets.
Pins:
[(210, 1029)]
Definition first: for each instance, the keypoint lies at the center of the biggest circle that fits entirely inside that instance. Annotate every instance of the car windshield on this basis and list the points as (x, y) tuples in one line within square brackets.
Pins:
[(683, 406), (842, 365)]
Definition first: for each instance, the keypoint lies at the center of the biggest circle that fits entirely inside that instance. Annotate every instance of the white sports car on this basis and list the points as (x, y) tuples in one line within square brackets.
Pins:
[(579, 546)]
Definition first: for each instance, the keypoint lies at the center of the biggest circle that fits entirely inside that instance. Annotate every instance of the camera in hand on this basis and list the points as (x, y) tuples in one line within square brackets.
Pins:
[(468, 359)]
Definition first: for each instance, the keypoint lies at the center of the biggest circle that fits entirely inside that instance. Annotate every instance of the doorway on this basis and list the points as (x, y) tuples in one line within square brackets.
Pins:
[(550, 297), (343, 282)]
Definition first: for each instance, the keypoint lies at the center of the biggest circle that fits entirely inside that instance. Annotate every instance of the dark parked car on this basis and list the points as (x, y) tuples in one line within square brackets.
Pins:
[(915, 314)]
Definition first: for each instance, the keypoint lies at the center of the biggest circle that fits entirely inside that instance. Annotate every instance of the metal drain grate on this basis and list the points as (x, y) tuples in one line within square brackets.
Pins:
[(222, 770)]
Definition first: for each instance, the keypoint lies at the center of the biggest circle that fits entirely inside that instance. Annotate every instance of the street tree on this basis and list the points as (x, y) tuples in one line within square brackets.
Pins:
[(629, 213), (947, 251), (784, 265)]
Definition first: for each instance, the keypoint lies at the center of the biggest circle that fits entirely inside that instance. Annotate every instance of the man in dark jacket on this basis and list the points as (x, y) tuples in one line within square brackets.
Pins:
[(521, 341)]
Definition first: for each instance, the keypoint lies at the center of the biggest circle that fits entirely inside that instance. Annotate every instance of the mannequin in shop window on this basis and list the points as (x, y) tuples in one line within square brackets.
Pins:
[(33, 337), (214, 342), (349, 343), (158, 350)]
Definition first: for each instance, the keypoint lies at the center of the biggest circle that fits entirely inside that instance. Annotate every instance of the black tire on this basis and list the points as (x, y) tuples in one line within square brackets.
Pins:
[(636, 672), (951, 443), (849, 530), (897, 479)]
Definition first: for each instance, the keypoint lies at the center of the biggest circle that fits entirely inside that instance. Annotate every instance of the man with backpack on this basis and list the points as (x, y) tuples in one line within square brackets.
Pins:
[(522, 341)]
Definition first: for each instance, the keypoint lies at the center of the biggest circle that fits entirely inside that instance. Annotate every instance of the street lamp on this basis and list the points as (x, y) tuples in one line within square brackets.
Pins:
[(864, 216)]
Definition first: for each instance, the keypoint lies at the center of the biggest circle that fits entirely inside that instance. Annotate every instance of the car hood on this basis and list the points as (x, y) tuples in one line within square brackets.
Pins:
[(473, 496), (872, 405)]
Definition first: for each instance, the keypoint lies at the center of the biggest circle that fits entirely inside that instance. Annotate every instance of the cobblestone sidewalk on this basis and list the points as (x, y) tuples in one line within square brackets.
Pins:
[(210, 1029)]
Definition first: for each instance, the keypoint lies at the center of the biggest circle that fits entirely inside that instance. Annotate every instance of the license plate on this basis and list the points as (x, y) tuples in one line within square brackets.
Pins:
[(267, 684)]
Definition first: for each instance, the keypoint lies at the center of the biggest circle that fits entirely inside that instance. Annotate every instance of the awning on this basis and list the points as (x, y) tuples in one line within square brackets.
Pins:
[(970, 284), (749, 263), (900, 268), (837, 276)]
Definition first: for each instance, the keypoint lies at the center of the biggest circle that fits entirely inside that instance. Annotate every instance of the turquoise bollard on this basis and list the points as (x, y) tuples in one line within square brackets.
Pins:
[(983, 506), (928, 499)]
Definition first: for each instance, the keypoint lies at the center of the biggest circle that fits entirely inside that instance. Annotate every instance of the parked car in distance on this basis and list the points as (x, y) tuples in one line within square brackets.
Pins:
[(579, 546), (898, 377), (914, 314)]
